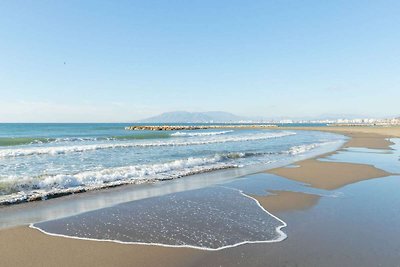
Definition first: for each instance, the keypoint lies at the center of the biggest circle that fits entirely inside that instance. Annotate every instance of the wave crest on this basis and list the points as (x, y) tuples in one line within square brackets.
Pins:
[(56, 150), (33, 187), (182, 134)]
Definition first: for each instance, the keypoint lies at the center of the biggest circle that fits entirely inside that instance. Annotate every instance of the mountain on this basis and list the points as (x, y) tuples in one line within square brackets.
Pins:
[(194, 117)]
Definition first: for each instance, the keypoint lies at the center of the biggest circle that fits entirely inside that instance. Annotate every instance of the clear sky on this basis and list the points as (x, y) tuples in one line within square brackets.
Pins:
[(125, 60)]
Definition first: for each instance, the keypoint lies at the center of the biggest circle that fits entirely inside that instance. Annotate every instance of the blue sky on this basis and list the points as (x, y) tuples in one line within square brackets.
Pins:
[(125, 60)]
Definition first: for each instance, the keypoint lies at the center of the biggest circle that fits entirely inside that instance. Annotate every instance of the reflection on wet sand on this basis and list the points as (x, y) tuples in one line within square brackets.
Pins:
[(212, 218)]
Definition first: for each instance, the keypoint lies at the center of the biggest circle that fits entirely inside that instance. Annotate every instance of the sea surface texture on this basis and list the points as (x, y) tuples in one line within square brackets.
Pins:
[(38, 161), (211, 218)]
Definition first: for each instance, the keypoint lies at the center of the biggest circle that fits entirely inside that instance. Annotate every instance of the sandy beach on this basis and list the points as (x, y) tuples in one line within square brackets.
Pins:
[(199, 133), (308, 243), (362, 136)]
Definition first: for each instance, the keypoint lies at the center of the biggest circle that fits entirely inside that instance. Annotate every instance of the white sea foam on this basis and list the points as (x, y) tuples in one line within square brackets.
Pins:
[(304, 148), (38, 187), (55, 150), (182, 134), (29, 187)]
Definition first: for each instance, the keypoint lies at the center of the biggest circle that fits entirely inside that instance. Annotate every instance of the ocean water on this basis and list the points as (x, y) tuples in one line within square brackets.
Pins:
[(43, 160), (227, 215)]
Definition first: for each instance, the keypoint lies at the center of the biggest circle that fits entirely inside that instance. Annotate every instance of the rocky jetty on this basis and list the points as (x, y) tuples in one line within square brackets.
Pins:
[(194, 127)]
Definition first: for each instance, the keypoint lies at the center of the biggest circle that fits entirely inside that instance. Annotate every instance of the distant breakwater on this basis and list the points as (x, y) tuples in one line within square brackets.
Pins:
[(194, 127)]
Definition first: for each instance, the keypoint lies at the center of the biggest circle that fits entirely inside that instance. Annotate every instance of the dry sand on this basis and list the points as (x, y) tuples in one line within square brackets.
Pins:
[(23, 246)]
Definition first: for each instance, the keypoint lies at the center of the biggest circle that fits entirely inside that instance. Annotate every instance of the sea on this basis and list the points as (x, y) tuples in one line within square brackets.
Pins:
[(41, 161)]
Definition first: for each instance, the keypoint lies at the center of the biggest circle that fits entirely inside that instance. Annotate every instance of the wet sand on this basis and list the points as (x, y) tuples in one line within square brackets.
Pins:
[(333, 175), (348, 242), (368, 137), (23, 246), (211, 218), (283, 201)]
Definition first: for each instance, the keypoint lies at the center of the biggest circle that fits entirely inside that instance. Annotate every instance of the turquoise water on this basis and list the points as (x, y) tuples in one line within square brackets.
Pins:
[(40, 160)]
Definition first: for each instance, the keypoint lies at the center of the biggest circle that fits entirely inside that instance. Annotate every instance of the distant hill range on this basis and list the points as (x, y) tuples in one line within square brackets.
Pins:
[(194, 117)]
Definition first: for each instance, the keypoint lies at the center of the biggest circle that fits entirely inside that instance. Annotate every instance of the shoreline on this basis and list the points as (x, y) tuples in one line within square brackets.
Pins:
[(282, 235), (39, 193), (88, 201), (283, 201), (40, 196), (357, 139), (360, 136), (336, 174)]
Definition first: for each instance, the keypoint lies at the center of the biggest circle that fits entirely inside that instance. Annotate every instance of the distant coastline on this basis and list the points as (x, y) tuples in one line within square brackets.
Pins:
[(195, 127)]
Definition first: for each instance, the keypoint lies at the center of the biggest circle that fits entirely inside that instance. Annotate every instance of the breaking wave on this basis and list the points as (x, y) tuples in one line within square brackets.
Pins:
[(304, 148), (56, 150), (17, 189), (181, 134), (17, 141), (26, 188)]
